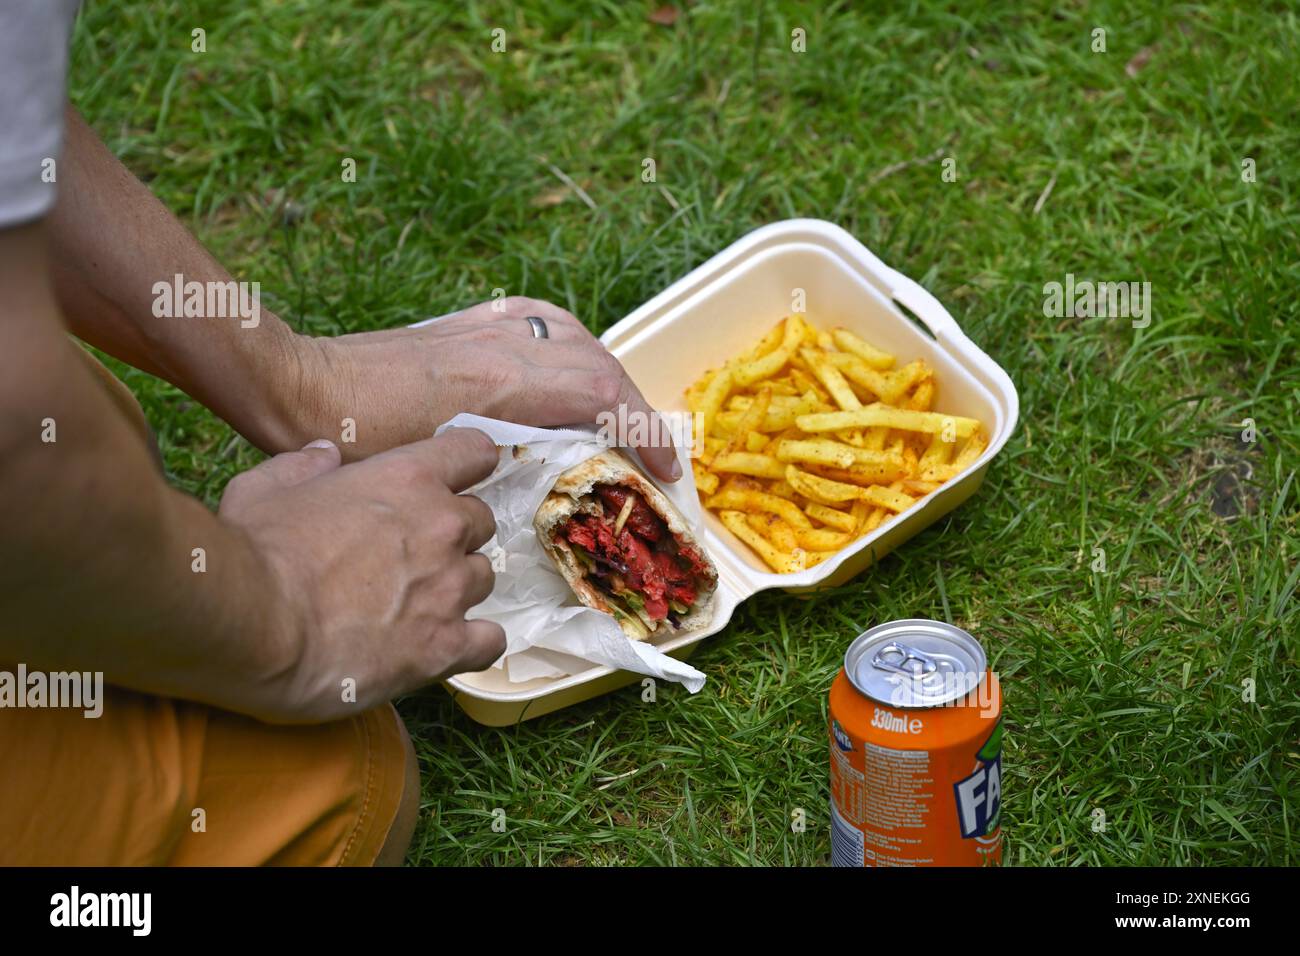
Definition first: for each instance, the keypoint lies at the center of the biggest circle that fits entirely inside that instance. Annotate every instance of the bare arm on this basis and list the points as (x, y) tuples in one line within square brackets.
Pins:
[(95, 566), (111, 241)]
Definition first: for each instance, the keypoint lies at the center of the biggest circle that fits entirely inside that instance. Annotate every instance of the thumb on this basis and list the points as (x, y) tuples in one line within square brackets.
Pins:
[(294, 467)]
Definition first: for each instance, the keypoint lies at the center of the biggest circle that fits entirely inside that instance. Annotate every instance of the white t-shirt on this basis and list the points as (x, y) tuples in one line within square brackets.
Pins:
[(33, 83)]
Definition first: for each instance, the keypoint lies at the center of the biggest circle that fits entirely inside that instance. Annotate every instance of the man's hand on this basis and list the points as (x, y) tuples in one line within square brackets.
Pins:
[(400, 384), (376, 564)]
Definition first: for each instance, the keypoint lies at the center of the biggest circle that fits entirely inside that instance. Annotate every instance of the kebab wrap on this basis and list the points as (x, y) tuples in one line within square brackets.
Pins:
[(625, 550)]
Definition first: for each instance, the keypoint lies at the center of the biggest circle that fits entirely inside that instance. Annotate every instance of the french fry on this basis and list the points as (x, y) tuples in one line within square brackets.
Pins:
[(821, 490), (909, 462), (921, 399), (780, 416), (781, 535), (819, 540), (974, 448), (874, 439), (748, 463), (778, 561), (832, 517), (830, 377), (715, 393), (878, 414), (780, 386), (695, 390), (743, 403), (888, 386), (859, 373), (873, 520), (768, 343), (937, 453), (807, 383), (816, 453), (865, 396), (750, 371), (822, 451), (883, 497), (750, 419), (742, 483), (914, 487), (781, 489), (705, 480), (863, 474), (711, 447), (756, 441), (971, 451), (868, 353), (901, 380), (861, 511), (745, 500), (809, 333), (938, 473), (777, 419)]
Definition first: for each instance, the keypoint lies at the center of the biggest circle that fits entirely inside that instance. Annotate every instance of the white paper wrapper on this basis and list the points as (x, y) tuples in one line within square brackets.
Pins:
[(548, 634)]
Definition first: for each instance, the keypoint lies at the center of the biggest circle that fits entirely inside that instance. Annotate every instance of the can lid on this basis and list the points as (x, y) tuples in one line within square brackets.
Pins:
[(915, 663)]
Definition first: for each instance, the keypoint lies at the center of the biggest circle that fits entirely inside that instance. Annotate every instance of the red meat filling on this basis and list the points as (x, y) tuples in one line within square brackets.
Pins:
[(642, 520), (643, 554)]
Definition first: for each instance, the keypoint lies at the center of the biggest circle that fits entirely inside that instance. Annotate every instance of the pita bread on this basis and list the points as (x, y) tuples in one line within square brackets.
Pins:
[(567, 498)]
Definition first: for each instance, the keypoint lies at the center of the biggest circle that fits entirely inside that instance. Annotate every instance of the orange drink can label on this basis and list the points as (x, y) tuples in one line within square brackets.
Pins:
[(916, 750)]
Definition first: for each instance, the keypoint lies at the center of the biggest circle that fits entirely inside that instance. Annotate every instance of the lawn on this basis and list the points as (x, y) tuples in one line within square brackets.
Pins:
[(1152, 708)]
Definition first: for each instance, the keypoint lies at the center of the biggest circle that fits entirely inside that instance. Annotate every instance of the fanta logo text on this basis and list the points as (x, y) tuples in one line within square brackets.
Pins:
[(979, 797), (842, 740), (895, 723)]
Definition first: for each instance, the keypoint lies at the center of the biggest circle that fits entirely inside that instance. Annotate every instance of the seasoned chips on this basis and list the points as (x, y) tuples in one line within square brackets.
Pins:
[(813, 439)]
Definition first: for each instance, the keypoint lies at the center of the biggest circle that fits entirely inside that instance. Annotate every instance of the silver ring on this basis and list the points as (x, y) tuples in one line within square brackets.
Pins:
[(539, 327)]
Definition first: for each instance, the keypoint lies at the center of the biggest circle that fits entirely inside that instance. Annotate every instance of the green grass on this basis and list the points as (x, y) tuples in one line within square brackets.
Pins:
[(1123, 689)]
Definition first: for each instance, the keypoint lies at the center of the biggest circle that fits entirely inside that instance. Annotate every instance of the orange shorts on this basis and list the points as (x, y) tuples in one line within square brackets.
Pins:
[(155, 781)]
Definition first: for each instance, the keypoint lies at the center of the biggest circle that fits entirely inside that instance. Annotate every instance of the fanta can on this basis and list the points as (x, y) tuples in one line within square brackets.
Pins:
[(916, 750)]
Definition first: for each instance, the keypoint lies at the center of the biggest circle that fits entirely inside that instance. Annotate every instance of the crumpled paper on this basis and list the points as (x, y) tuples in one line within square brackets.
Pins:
[(548, 634)]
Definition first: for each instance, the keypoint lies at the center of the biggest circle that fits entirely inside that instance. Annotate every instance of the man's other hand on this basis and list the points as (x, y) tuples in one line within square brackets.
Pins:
[(376, 564)]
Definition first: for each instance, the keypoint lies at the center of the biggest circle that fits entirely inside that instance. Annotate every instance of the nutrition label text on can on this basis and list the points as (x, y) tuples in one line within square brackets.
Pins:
[(897, 798)]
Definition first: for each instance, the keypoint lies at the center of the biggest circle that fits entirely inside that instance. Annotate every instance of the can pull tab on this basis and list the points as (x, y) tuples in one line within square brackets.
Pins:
[(906, 654)]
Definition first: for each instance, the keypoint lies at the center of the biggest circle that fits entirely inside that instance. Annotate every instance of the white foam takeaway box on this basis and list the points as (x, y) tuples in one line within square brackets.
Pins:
[(706, 318)]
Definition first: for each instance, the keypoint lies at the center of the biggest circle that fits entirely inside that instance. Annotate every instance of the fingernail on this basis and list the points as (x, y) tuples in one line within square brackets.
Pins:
[(676, 470), (318, 443)]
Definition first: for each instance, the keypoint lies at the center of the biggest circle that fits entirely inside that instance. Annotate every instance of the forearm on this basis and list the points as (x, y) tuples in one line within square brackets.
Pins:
[(103, 576), (112, 242), (98, 569)]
